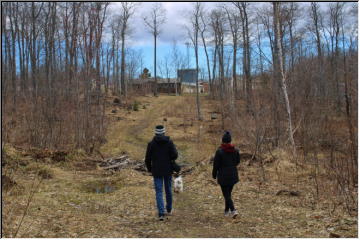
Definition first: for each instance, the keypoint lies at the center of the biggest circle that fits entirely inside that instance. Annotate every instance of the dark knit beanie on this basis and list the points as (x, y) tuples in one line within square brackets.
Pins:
[(227, 137), (159, 130)]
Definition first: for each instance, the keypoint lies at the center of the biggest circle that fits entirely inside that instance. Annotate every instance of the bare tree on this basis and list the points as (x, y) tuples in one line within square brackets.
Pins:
[(316, 23), (243, 11), (265, 15), (177, 61), (165, 69), (336, 10), (115, 35), (133, 66), (127, 10), (203, 29), (291, 20), (13, 20), (35, 12), (234, 22), (194, 37), (218, 28), (348, 107), (155, 18), (280, 67)]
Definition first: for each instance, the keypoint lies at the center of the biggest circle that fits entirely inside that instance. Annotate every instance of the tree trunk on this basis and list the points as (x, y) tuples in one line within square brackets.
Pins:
[(280, 68), (123, 86), (197, 76)]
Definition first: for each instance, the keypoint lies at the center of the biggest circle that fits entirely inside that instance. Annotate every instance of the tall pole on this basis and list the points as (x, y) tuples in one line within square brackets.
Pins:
[(155, 90), (188, 55)]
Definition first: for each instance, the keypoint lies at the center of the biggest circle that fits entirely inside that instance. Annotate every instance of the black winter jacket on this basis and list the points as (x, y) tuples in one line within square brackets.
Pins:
[(160, 154), (224, 168)]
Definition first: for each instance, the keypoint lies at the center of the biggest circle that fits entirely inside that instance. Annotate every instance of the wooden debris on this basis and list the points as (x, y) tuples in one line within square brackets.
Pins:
[(121, 162), (115, 163), (288, 193)]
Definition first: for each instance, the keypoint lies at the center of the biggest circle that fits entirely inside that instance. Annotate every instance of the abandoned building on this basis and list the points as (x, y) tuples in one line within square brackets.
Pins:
[(170, 85), (184, 83)]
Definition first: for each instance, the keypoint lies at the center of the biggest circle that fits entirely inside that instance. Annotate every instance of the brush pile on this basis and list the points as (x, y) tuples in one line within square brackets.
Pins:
[(121, 162)]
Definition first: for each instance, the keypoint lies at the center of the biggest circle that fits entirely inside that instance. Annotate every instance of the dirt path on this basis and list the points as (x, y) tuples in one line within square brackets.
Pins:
[(68, 206), (198, 210)]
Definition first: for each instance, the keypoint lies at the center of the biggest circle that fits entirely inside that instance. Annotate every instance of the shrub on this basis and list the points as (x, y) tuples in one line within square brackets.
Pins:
[(45, 173), (136, 106), (42, 171)]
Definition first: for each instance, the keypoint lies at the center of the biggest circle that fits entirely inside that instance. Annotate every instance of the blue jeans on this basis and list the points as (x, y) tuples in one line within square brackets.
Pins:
[(158, 183)]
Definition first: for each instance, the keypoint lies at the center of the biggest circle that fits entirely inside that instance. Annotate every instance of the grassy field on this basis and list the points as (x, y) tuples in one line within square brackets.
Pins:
[(67, 201)]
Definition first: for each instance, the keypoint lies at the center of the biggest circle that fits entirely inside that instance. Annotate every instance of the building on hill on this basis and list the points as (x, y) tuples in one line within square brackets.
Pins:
[(143, 86), (185, 83), (146, 86), (186, 75), (168, 85), (191, 87)]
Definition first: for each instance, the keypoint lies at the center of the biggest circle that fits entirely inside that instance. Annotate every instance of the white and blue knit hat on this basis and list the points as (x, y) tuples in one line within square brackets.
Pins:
[(159, 130)]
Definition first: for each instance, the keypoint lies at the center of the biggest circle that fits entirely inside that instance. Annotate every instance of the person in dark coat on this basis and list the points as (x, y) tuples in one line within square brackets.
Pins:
[(160, 158), (227, 157)]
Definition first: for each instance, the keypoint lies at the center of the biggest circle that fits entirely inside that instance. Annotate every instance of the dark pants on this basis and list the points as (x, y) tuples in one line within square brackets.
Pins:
[(159, 182), (226, 190)]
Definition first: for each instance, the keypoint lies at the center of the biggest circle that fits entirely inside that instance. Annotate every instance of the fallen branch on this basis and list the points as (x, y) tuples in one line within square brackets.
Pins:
[(118, 165)]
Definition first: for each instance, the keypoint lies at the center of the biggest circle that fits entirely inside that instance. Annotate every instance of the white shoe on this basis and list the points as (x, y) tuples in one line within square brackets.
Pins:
[(227, 213), (169, 213), (234, 214)]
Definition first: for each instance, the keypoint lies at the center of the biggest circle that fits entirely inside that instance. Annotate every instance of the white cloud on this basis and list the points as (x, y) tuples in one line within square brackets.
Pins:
[(176, 18)]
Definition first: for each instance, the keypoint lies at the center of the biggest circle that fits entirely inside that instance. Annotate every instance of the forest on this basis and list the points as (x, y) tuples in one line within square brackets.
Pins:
[(282, 76)]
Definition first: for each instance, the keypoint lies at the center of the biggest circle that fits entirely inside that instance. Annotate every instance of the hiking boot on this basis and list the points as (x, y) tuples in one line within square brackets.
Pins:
[(227, 213), (234, 213)]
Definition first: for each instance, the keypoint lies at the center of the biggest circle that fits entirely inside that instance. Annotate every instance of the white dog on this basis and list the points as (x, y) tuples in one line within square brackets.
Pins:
[(178, 184)]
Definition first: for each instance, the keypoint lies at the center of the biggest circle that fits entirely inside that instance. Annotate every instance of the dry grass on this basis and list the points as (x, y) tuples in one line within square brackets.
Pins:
[(67, 205)]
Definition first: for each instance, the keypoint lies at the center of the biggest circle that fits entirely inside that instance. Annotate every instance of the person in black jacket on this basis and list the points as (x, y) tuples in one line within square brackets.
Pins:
[(227, 157), (160, 159)]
